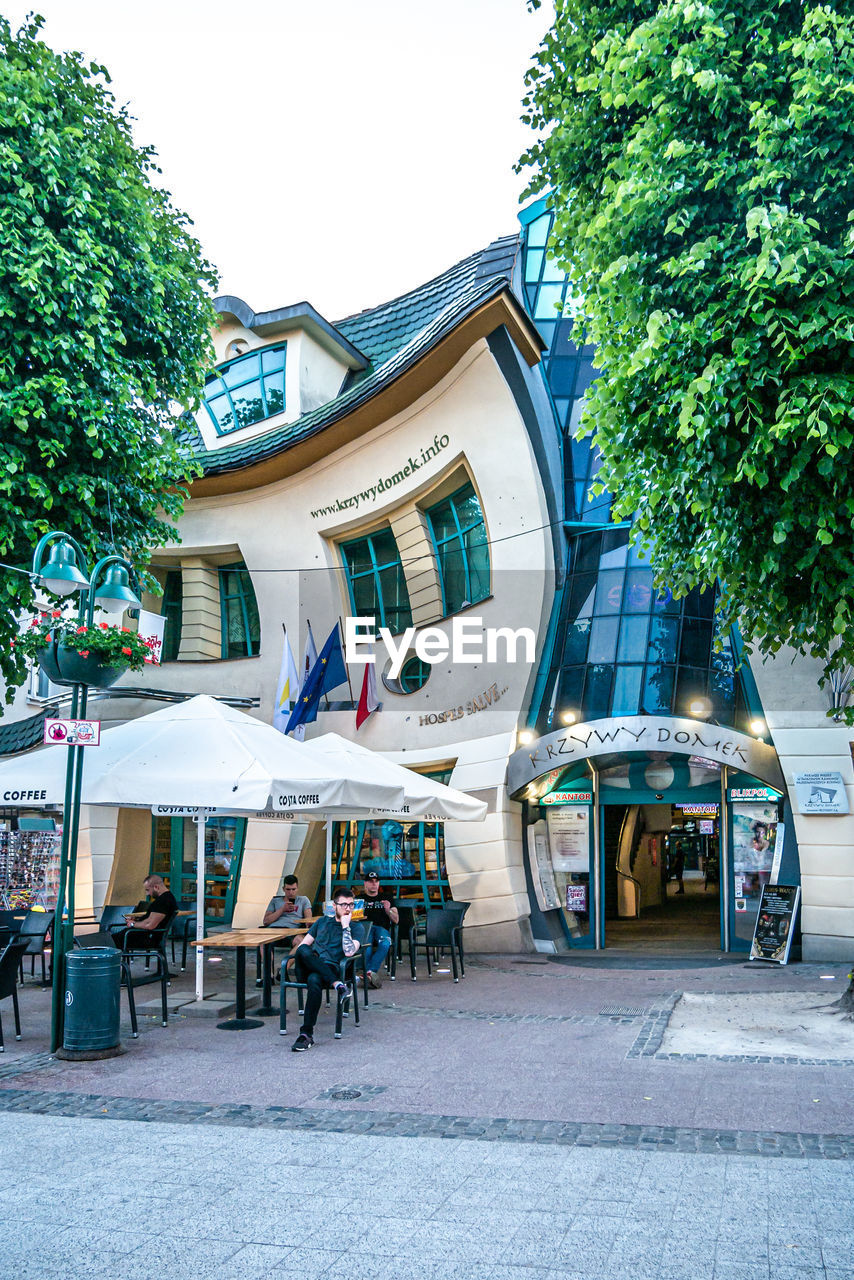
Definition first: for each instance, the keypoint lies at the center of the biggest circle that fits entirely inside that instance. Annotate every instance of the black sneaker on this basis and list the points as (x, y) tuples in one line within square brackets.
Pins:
[(301, 1043)]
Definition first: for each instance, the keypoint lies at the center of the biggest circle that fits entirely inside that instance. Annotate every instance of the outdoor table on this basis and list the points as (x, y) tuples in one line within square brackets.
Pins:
[(238, 940)]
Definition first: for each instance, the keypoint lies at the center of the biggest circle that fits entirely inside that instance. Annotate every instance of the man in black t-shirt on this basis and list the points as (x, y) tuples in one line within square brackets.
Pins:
[(160, 908), (380, 911), (317, 958)]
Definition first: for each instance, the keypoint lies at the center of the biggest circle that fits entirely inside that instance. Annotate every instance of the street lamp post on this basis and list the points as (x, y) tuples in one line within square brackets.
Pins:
[(59, 566)]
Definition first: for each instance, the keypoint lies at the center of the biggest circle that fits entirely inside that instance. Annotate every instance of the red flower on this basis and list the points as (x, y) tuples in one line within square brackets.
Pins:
[(104, 625), (34, 622), (126, 631), (84, 653), (57, 613), (79, 629), (129, 652)]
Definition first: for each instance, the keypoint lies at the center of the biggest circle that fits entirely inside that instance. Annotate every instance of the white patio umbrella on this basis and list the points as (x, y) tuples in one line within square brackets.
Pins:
[(203, 754)]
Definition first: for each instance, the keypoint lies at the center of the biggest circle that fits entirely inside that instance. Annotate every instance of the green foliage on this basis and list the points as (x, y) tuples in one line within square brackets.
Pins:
[(112, 645), (105, 316), (701, 159)]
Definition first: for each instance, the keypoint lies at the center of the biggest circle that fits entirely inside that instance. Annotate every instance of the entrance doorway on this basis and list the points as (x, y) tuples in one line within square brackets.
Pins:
[(661, 870)]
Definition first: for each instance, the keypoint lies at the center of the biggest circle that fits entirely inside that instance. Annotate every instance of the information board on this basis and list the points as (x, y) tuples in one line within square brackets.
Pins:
[(569, 838), (775, 923)]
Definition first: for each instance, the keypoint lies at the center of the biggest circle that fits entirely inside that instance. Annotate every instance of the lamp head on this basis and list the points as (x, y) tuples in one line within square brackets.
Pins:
[(524, 737), (114, 594), (61, 576)]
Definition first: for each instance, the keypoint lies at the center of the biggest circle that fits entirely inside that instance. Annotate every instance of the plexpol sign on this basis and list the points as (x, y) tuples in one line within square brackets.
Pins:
[(72, 733)]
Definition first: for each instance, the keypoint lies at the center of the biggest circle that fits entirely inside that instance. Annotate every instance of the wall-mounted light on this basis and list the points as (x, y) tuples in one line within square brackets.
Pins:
[(524, 736), (700, 708), (568, 717), (758, 728)]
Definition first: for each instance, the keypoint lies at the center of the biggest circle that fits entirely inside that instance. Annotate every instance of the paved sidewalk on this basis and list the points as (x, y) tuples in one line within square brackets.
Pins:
[(235, 1204), (524, 1123)]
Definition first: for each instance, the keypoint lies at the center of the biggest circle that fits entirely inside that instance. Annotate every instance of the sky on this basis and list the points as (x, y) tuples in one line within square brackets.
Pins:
[(338, 152)]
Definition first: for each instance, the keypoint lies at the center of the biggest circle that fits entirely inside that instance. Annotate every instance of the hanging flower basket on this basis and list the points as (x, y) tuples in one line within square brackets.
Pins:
[(68, 666), (73, 654)]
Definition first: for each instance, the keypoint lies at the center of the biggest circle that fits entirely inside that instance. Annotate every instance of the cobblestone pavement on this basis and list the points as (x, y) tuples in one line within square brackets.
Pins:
[(234, 1203), (522, 1123)]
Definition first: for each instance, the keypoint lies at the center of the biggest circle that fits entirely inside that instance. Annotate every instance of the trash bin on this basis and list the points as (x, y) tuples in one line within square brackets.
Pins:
[(92, 991)]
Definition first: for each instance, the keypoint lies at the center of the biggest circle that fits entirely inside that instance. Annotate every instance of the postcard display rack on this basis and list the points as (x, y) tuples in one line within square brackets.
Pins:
[(29, 868)]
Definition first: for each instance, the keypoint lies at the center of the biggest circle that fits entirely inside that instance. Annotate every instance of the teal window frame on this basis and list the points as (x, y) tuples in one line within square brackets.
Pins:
[(173, 612), (374, 572), (216, 386), (347, 841), (181, 874), (458, 537), (253, 643)]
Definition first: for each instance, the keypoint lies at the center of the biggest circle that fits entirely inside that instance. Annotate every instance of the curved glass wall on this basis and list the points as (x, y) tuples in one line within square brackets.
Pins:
[(622, 648), (246, 390)]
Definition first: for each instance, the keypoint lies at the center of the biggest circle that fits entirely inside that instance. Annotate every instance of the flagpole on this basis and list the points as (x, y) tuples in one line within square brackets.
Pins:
[(326, 695), (346, 668)]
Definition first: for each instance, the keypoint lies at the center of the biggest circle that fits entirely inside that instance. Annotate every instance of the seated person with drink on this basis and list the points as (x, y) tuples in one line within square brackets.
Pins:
[(317, 957)]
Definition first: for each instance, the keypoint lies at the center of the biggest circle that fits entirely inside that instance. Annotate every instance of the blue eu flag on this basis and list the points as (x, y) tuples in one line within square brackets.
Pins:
[(327, 673)]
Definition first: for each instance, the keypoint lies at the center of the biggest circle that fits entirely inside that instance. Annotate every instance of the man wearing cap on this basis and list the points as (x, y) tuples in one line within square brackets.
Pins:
[(381, 912)]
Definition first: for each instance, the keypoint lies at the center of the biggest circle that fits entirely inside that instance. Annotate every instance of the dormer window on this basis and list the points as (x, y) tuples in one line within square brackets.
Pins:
[(247, 390)]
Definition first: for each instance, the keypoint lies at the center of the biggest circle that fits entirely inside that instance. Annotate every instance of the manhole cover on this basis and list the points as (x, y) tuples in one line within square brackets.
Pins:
[(345, 1095), (621, 1011)]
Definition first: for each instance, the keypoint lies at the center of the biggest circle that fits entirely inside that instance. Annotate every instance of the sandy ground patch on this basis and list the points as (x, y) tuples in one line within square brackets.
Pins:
[(796, 1024)]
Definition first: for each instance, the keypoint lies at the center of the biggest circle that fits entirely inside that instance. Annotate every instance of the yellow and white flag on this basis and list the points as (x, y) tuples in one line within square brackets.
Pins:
[(287, 690)]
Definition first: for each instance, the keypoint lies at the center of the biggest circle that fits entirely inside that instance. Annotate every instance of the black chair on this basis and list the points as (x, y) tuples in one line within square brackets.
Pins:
[(114, 918), (442, 928), (183, 931), (11, 921), (35, 927), (346, 973), (10, 961), (140, 944), (399, 931)]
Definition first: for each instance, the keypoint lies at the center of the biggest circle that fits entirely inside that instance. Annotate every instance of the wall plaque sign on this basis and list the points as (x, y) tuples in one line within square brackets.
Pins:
[(821, 792)]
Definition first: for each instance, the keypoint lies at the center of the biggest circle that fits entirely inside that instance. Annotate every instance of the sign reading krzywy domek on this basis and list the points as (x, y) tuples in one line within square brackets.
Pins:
[(652, 734)]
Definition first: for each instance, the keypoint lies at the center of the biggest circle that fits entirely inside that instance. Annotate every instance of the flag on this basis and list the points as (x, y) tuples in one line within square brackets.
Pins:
[(309, 657), (287, 690), (327, 673), (150, 629), (368, 700)]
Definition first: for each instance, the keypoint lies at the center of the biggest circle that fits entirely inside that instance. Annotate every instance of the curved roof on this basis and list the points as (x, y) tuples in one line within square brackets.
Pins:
[(393, 336)]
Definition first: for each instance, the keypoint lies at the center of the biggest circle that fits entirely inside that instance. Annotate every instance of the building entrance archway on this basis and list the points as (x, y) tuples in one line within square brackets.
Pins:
[(664, 844)]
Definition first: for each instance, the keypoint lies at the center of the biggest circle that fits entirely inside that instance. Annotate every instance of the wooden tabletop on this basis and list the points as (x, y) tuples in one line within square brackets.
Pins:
[(247, 937)]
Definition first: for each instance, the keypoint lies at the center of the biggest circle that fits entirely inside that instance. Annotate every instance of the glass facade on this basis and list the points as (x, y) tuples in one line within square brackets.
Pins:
[(459, 536), (247, 390), (241, 626), (173, 856), (376, 580), (622, 648), (569, 370)]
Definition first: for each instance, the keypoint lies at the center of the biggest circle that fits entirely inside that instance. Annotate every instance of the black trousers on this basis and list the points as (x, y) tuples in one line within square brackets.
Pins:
[(316, 974)]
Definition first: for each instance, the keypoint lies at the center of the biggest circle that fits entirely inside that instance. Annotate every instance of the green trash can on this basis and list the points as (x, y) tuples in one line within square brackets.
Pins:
[(92, 991)]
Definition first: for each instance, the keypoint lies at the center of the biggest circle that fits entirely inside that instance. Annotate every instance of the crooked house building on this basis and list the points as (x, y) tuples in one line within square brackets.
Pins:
[(417, 463)]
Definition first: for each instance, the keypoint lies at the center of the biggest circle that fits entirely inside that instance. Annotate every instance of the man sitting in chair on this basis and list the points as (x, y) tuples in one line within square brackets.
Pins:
[(382, 913), (160, 908), (289, 909), (317, 957)]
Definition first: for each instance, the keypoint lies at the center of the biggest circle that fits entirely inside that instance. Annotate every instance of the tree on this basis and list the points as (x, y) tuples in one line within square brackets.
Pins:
[(105, 316), (701, 160)]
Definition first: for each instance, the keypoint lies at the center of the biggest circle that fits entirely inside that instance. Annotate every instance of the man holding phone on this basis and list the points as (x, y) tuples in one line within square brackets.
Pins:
[(381, 911), (317, 958)]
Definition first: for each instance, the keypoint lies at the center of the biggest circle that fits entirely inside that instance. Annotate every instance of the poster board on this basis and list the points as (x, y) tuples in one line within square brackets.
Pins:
[(775, 923), (569, 838)]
